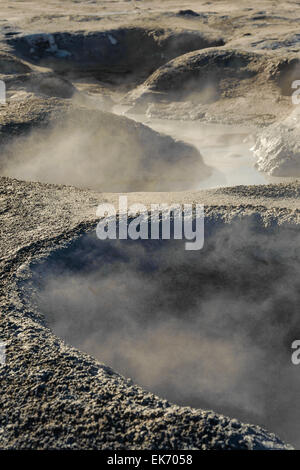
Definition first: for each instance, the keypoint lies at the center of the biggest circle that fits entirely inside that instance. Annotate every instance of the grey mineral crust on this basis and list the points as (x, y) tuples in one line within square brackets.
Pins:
[(54, 396)]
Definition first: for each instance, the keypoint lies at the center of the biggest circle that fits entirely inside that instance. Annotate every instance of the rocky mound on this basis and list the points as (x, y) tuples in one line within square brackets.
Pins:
[(20, 75), (217, 84)]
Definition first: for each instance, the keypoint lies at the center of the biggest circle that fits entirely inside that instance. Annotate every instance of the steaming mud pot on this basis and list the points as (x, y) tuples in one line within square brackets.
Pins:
[(226, 149), (89, 148), (235, 154), (69, 399), (205, 329), (217, 84)]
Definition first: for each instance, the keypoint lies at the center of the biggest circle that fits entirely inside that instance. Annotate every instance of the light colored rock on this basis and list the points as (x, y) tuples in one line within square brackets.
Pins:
[(277, 148)]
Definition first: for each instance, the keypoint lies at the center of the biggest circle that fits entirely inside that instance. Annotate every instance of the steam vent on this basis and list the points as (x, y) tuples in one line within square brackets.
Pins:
[(149, 230)]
